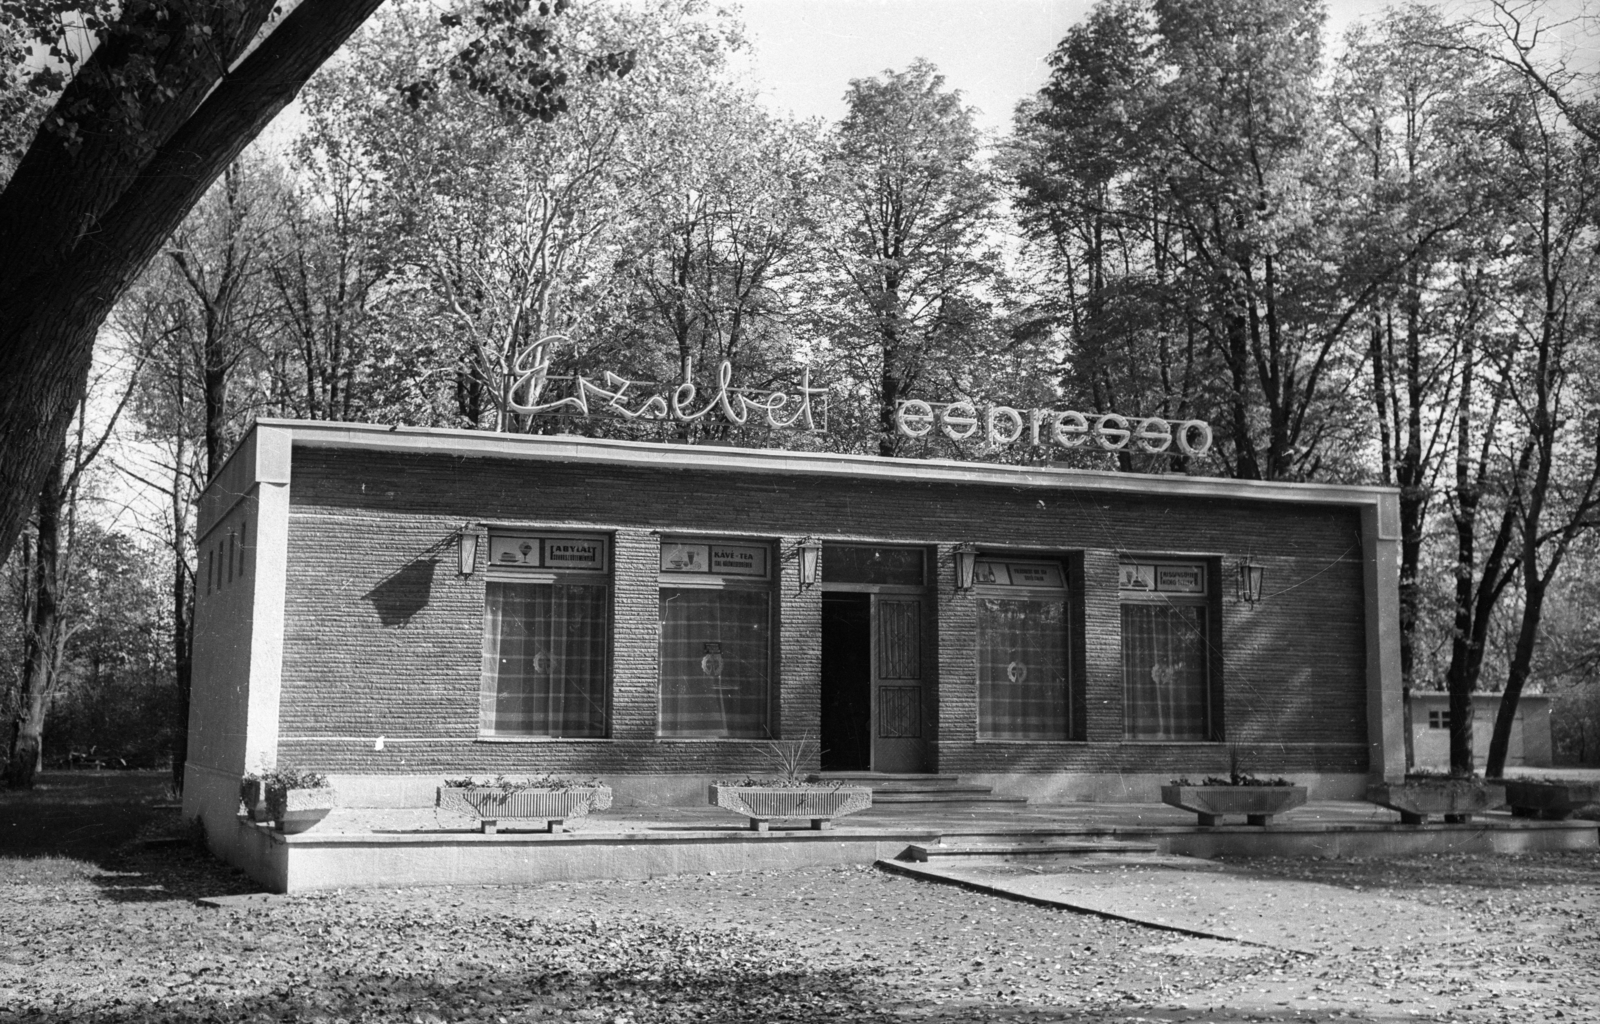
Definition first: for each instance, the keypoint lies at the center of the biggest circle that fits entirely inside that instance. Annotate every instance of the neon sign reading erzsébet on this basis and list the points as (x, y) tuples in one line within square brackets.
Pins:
[(1004, 425)]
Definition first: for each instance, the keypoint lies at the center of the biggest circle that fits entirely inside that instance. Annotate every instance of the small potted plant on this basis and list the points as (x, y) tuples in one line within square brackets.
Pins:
[(791, 792), (551, 799), (253, 794), (1241, 792), (1550, 799), (1425, 793), (296, 799)]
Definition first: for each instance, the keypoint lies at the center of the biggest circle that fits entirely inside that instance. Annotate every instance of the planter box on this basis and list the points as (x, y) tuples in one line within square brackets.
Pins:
[(296, 810), (555, 807), (1552, 801), (762, 803), (254, 797), (1456, 800), (1257, 803)]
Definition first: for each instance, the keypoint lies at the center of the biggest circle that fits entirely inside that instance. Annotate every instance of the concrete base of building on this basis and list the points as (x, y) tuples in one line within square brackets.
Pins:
[(690, 790), (310, 861), (1098, 787)]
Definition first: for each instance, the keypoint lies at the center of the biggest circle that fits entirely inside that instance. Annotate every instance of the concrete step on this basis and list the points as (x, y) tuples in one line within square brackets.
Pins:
[(1034, 852), (945, 796)]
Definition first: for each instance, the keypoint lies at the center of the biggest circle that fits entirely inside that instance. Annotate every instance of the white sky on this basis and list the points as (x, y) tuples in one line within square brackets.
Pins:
[(806, 51)]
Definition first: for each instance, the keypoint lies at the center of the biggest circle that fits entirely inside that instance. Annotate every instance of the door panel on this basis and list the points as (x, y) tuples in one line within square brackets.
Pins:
[(898, 743)]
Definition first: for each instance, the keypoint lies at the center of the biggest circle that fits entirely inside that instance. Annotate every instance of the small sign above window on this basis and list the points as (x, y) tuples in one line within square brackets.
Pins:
[(520, 551), (714, 558), (1162, 577), (991, 573)]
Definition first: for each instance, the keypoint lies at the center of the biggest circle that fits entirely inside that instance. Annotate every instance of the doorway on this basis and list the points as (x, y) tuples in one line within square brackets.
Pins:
[(872, 682)]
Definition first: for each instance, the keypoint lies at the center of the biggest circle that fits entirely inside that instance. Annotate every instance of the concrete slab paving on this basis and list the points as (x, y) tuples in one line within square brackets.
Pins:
[(1206, 902)]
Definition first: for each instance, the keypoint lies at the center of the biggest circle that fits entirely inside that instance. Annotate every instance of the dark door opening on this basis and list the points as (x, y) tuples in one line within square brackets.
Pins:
[(846, 682)]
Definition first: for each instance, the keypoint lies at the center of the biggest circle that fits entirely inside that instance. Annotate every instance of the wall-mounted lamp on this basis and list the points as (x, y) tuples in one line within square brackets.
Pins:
[(966, 564), (810, 554), (1251, 577), (467, 549)]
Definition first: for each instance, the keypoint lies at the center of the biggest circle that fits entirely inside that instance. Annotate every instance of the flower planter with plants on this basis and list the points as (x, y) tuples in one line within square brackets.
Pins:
[(791, 792), (1241, 793), (549, 799), (1550, 799), (253, 795), (1422, 796), (295, 799)]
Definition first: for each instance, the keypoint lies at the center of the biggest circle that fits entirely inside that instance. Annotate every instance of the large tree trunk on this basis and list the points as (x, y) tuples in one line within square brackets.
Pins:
[(25, 752), (80, 226)]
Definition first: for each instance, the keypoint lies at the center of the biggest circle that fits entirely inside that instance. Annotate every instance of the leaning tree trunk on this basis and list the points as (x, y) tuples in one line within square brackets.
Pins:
[(27, 730), (62, 276)]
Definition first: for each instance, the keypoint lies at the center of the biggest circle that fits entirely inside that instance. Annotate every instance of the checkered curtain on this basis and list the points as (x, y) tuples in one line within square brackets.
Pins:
[(716, 663), (544, 660), (1164, 671), (1022, 669)]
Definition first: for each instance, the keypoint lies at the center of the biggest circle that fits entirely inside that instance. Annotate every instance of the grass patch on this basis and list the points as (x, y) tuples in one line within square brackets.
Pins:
[(46, 870)]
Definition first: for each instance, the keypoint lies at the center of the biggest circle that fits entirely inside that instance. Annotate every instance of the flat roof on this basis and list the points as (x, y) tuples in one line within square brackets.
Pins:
[(656, 455)]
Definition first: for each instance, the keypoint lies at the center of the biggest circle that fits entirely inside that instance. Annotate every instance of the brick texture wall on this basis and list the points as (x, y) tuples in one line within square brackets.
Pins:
[(384, 637)]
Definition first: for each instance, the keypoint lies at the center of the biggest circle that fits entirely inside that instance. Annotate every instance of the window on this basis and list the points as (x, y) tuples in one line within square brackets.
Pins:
[(716, 639), (1165, 651), (1439, 719), (546, 627), (870, 564), (1022, 650)]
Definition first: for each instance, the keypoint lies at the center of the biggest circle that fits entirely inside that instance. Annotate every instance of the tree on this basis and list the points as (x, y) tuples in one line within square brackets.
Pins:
[(907, 207), (166, 95)]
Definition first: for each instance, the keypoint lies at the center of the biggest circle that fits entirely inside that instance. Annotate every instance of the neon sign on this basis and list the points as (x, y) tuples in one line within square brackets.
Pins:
[(1003, 425), (619, 397)]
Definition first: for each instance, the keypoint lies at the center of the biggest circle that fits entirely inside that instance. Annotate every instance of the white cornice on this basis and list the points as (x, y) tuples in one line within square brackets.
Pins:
[(607, 452)]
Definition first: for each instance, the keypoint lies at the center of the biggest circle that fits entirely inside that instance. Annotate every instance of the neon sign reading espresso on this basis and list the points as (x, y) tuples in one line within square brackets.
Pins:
[(1003, 425)]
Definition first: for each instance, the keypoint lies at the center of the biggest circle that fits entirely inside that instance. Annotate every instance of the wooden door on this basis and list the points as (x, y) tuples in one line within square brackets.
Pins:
[(898, 723)]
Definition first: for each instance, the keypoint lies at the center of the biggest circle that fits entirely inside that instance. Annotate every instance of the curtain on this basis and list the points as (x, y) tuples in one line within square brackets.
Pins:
[(1022, 669), (544, 660), (716, 662), (1164, 671)]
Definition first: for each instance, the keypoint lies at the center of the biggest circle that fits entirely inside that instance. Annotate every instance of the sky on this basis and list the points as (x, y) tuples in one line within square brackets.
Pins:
[(807, 51)]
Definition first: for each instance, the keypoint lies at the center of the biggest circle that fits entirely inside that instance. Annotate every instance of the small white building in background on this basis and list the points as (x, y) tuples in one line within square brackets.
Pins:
[(1530, 730)]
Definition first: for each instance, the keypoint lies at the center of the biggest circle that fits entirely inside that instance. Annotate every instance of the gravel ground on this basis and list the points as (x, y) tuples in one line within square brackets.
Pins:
[(125, 941)]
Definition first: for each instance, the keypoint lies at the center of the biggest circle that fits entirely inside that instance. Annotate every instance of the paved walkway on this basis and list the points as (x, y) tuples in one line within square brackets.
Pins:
[(1232, 904)]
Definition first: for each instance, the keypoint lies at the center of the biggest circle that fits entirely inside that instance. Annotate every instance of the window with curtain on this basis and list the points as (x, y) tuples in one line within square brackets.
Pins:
[(546, 639), (716, 640), (1165, 652), (1022, 651)]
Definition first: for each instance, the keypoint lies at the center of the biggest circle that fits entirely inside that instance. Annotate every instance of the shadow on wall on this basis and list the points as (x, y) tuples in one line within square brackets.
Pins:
[(404, 593)]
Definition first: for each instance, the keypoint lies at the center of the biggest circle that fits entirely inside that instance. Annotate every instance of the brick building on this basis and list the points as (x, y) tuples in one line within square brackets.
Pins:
[(394, 605)]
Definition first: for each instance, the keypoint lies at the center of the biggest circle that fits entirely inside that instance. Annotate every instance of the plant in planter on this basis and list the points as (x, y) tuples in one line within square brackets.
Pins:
[(253, 795), (1240, 792), (791, 792), (296, 799), (1550, 799), (551, 799), (1424, 793)]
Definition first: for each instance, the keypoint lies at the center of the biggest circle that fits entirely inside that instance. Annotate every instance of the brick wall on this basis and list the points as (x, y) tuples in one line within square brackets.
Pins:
[(383, 636)]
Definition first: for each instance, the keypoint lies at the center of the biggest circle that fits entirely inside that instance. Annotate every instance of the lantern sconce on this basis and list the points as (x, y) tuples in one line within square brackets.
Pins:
[(966, 555), (467, 550), (810, 554), (1251, 577)]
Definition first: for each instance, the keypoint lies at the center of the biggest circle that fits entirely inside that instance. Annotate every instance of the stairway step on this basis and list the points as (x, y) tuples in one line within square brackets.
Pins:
[(1024, 851), (981, 796)]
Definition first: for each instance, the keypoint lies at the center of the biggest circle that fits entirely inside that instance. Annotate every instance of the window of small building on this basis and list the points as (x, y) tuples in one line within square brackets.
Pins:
[(873, 564), (716, 639), (1166, 650), (1023, 664), (546, 636), (1438, 719)]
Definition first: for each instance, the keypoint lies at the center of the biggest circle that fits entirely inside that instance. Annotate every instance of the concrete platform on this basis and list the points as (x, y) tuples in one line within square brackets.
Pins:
[(356, 847)]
